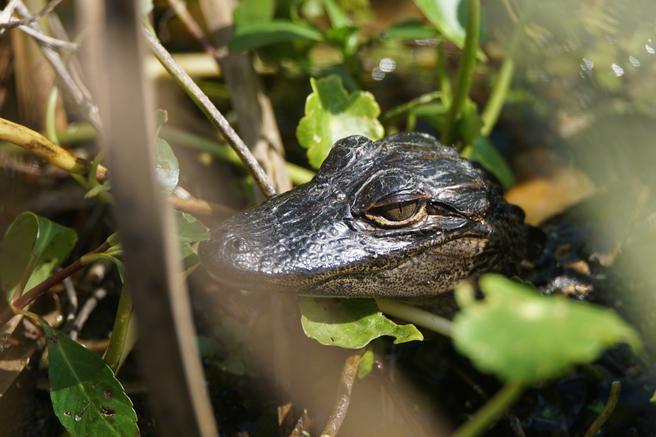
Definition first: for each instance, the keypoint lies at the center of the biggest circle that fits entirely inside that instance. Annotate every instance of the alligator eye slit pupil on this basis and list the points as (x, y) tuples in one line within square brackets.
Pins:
[(400, 211), (396, 212)]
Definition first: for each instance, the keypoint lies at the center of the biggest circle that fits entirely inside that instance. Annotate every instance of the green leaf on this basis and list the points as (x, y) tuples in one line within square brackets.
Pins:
[(337, 16), (30, 250), (408, 30), (98, 190), (469, 123), (415, 104), (332, 114), (168, 167), (88, 400), (190, 229), (350, 323), (522, 336), (253, 11), (484, 152), (252, 36), (443, 14), (366, 364), (344, 37)]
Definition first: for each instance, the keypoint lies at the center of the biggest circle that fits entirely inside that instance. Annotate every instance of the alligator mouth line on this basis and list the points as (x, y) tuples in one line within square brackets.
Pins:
[(348, 273)]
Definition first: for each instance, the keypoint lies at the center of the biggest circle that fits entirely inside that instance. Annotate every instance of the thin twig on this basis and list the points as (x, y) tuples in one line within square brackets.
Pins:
[(613, 396), (180, 8), (349, 373), (200, 207), (72, 302), (89, 305), (211, 111), (7, 12), (74, 89), (46, 40), (37, 291), (7, 24)]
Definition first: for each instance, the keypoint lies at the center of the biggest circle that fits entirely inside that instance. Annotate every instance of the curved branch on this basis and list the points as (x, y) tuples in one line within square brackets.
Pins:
[(213, 114)]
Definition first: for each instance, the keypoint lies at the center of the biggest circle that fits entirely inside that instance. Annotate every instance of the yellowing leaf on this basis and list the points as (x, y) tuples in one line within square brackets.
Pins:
[(332, 114)]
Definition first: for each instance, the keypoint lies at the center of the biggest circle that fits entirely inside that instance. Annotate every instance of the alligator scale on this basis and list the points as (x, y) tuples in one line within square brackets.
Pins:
[(404, 216)]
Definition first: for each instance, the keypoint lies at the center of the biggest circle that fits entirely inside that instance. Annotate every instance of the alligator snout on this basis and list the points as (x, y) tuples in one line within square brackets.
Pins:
[(405, 216)]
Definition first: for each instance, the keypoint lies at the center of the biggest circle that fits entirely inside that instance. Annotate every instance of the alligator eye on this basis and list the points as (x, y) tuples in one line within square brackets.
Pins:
[(398, 214)]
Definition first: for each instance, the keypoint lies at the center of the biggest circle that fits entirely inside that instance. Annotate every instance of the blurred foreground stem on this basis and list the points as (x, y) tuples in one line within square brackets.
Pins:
[(502, 83), (491, 411)]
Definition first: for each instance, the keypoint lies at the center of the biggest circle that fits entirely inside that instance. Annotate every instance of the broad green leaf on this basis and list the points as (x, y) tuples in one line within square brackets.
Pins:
[(30, 250), (484, 152), (443, 14), (522, 336), (332, 114), (253, 11), (350, 323), (168, 167), (408, 30), (88, 400), (252, 36)]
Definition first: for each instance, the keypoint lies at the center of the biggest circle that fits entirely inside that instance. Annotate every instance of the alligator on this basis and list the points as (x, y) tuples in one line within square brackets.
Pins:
[(408, 217), (401, 217)]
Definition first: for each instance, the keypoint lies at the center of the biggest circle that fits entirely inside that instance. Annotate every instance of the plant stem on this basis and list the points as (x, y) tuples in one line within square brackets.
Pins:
[(607, 411), (466, 70), (442, 75), (40, 145), (346, 381), (37, 291), (491, 411), (51, 115), (297, 174), (211, 112), (502, 84), (199, 207), (415, 315), (76, 133), (59, 157), (123, 333)]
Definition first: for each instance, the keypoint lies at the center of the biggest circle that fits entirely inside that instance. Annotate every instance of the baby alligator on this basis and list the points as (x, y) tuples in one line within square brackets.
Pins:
[(404, 216)]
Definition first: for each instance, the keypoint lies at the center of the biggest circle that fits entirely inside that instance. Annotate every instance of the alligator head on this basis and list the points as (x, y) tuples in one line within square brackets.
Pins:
[(404, 216)]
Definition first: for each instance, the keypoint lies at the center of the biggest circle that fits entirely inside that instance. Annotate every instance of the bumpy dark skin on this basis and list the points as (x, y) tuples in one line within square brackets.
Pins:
[(404, 216)]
